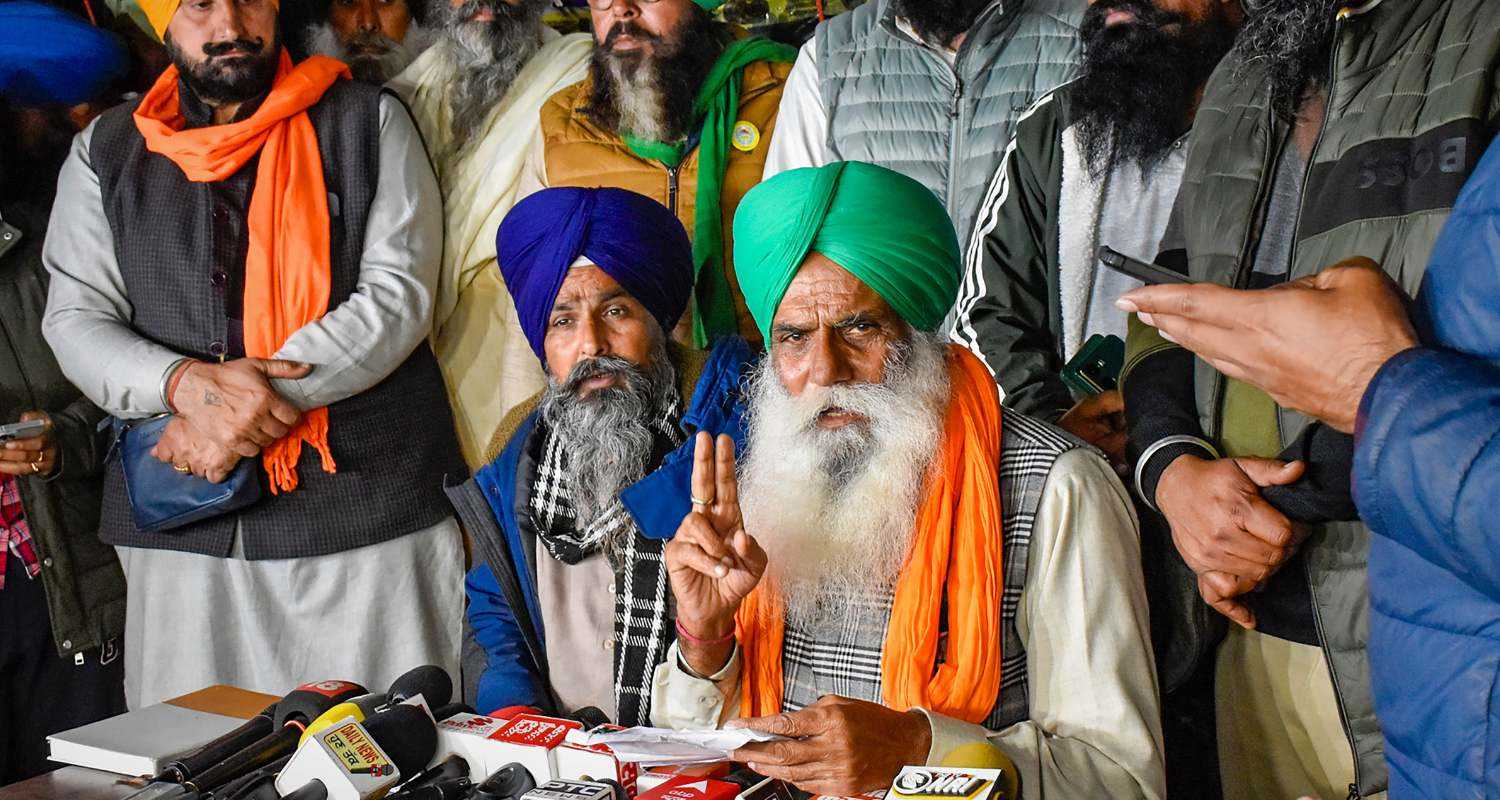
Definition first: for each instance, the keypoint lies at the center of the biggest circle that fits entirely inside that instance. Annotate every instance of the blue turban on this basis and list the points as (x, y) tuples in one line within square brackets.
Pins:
[(50, 56), (633, 238)]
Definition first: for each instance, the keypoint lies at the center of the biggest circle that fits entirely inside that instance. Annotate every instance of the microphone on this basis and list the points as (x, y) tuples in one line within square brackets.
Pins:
[(219, 749), (359, 708), (508, 783), (360, 761), (590, 717), (430, 681), (292, 713), (301, 706)]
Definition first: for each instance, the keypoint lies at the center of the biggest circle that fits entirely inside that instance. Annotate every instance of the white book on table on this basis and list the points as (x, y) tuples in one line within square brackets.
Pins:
[(142, 741)]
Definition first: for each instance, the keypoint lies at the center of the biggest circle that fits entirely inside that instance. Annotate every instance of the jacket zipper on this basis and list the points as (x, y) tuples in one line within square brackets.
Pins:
[(955, 106), (1312, 590), (672, 181)]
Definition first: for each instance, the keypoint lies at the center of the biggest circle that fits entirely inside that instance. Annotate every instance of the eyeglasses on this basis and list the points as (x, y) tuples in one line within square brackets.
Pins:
[(604, 5)]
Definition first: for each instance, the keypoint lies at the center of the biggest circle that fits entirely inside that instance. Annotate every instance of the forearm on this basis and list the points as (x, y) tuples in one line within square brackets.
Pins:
[(1324, 494), (88, 312), (1427, 460), (363, 340), (1161, 412)]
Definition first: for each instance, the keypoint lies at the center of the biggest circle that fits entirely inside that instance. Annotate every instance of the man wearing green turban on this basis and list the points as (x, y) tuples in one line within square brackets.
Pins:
[(886, 229), (900, 571)]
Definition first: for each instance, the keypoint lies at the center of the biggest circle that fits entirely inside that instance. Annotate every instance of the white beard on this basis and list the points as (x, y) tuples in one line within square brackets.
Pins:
[(322, 40), (836, 510)]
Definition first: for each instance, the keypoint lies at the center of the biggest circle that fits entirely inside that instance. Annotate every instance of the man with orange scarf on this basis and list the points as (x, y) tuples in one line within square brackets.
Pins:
[(252, 248), (918, 575)]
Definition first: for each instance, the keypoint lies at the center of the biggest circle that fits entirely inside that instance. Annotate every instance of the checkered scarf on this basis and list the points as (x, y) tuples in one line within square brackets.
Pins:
[(643, 614)]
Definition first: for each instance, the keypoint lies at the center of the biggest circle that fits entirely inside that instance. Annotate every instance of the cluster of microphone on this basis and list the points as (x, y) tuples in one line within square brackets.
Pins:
[(336, 740)]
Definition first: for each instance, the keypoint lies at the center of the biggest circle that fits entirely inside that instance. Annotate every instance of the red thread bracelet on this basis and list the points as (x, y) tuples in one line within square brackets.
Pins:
[(683, 633)]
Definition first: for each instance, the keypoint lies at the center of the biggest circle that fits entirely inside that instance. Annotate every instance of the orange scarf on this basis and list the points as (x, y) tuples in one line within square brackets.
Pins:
[(288, 270), (957, 548)]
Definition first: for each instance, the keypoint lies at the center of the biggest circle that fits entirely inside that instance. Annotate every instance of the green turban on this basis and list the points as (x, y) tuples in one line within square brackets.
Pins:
[(710, 5), (886, 229)]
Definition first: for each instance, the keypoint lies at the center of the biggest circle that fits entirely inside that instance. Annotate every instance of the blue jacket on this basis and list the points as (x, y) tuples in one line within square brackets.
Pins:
[(504, 611), (1427, 480)]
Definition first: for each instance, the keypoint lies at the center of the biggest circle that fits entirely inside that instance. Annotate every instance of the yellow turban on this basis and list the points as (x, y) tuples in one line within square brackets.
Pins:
[(159, 13)]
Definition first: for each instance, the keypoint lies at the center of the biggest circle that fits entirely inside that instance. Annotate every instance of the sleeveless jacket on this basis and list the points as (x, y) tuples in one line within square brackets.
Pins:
[(1411, 106), (893, 100), (393, 443), (579, 153)]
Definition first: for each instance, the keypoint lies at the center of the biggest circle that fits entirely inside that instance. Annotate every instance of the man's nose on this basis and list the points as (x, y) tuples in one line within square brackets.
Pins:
[(228, 24), (364, 18), (827, 364), (591, 339)]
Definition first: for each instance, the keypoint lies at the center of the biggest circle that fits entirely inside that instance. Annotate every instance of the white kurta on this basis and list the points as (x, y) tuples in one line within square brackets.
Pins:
[(476, 335), (364, 615), (1094, 728)]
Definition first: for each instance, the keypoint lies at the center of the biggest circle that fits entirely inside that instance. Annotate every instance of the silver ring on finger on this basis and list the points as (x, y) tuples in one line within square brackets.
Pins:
[(698, 501)]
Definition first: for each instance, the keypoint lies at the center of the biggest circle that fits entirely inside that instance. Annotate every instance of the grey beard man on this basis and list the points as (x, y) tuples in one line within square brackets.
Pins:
[(610, 433), (835, 509), (373, 57), (490, 41)]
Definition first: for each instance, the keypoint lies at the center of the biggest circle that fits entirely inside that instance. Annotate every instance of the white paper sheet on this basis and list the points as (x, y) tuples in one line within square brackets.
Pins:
[(653, 747)]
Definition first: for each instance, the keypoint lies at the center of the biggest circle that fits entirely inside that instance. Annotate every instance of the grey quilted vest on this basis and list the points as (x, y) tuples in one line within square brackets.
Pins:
[(893, 100), (393, 443), (1411, 107)]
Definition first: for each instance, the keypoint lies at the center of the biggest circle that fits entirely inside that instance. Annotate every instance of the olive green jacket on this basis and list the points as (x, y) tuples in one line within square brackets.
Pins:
[(81, 576), (1411, 106)]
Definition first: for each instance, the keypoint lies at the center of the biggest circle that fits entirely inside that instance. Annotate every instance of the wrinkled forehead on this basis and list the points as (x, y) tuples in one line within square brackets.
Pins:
[(824, 293)]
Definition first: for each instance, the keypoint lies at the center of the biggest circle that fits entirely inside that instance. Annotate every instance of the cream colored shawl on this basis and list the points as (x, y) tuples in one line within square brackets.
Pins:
[(485, 359)]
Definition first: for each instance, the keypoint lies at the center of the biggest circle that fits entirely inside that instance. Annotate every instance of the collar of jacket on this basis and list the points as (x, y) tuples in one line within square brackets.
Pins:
[(710, 387)]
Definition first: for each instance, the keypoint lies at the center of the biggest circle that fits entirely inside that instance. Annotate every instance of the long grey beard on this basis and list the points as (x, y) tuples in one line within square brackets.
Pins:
[(1289, 40), (836, 509), (488, 57), (640, 101), (608, 435), (322, 40)]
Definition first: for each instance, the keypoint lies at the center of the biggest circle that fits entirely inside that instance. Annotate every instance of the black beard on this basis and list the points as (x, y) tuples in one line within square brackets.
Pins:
[(214, 82), (939, 21), (1138, 82), (678, 67), (1289, 40)]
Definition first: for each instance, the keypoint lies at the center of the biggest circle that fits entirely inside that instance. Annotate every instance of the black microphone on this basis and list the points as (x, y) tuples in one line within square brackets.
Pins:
[(508, 783), (300, 707), (591, 717), (221, 748), (454, 766), (295, 709), (430, 681), (358, 761), (249, 786)]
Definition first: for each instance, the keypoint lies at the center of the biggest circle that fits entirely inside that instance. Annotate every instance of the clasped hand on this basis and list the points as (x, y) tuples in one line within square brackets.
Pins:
[(225, 412)]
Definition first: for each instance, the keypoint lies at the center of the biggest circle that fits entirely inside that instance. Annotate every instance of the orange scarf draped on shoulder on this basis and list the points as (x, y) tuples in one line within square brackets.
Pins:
[(288, 271), (956, 552)]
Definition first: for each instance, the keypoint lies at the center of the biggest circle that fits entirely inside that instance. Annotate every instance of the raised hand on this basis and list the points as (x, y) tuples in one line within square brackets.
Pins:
[(712, 562)]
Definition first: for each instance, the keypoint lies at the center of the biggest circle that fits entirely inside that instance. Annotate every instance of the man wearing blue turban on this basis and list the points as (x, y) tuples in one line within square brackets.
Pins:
[(584, 483)]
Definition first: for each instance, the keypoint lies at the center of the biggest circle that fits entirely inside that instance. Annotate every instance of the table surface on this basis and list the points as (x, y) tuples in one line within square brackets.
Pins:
[(70, 783)]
